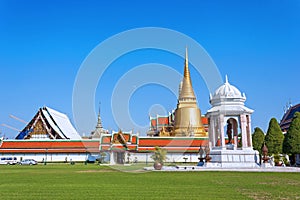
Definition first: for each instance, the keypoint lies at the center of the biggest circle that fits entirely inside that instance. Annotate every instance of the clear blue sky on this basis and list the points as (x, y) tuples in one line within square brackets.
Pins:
[(43, 43)]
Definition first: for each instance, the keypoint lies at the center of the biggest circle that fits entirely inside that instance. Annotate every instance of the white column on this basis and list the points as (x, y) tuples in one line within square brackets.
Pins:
[(216, 130), (249, 132), (112, 159), (235, 139), (211, 131), (222, 136), (244, 131)]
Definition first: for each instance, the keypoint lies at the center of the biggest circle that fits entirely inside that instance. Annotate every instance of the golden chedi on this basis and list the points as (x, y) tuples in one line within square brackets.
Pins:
[(187, 121)]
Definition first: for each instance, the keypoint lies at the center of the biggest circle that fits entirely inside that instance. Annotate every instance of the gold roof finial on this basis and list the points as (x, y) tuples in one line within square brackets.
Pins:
[(186, 65)]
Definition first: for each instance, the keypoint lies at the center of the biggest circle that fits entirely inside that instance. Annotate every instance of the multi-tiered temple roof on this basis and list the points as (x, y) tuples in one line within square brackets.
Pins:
[(49, 124), (288, 117)]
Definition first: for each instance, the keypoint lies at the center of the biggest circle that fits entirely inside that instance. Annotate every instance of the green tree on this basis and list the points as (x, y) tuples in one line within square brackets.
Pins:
[(291, 143), (274, 137), (258, 138)]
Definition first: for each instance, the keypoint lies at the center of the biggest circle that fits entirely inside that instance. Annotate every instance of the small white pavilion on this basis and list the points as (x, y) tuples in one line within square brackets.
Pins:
[(227, 118)]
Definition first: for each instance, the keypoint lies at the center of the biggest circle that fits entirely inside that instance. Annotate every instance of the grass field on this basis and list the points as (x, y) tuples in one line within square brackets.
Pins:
[(63, 181)]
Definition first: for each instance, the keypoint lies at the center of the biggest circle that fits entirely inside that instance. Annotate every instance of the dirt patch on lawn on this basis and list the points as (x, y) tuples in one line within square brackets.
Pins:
[(95, 171), (111, 170), (256, 195)]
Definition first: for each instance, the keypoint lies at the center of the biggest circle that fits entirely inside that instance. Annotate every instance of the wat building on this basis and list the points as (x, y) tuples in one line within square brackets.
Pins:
[(49, 137)]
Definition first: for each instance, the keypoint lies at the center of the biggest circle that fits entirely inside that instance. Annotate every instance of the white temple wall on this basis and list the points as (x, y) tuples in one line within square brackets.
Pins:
[(76, 157), (50, 157), (171, 157)]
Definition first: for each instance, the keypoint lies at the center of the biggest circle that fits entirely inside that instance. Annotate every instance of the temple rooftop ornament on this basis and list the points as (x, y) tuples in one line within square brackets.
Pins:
[(186, 92), (96, 134)]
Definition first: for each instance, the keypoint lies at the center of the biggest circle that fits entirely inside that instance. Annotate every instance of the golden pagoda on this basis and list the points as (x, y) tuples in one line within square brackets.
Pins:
[(187, 122)]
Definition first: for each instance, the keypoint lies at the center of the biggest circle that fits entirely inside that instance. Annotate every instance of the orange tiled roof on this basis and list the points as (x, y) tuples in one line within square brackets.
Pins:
[(29, 146), (172, 142)]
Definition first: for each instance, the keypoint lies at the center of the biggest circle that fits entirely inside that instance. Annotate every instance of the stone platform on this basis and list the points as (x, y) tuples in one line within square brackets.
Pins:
[(243, 158), (190, 168)]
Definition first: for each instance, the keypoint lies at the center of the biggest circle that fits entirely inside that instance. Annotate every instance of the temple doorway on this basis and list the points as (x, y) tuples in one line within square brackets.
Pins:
[(120, 157)]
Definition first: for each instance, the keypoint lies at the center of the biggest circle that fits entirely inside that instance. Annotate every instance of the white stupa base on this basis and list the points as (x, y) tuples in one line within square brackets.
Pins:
[(223, 158)]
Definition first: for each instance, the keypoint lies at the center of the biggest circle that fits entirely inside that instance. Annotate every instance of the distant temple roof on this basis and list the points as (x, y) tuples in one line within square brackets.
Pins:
[(288, 117), (49, 124), (96, 134)]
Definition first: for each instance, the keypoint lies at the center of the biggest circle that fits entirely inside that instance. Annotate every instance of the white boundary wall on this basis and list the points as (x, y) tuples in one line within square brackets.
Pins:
[(171, 157), (81, 157), (49, 157)]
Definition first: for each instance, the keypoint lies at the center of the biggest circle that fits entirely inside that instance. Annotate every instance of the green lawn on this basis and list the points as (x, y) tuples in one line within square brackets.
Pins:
[(63, 181)]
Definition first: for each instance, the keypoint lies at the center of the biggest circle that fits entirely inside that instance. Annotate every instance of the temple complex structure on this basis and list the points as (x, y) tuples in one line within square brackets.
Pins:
[(183, 133)]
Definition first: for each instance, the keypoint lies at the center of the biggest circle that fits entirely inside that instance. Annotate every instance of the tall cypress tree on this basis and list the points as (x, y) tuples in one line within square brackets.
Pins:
[(291, 143), (274, 137), (258, 138)]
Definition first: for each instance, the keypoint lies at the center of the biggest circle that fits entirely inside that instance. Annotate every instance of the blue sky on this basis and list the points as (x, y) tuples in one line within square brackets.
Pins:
[(43, 43)]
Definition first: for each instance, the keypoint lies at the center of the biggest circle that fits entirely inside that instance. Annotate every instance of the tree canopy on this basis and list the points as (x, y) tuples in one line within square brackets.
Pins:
[(274, 137), (291, 143), (258, 138)]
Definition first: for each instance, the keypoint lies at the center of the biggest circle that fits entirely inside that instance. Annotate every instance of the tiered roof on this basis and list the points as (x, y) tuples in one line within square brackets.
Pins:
[(122, 141), (49, 124), (288, 117)]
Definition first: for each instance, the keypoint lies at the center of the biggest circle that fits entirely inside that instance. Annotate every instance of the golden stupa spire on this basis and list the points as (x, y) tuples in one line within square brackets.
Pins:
[(186, 65), (187, 91), (187, 121)]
